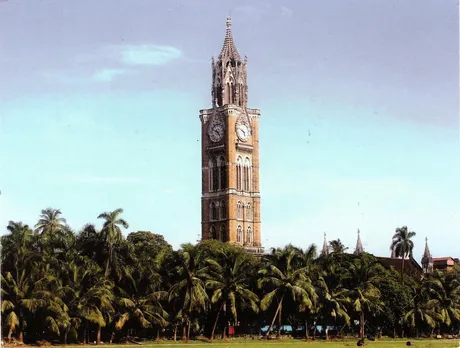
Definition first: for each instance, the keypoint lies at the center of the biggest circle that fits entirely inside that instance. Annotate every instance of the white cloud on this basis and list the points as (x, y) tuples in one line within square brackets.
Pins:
[(286, 11), (147, 54), (107, 75)]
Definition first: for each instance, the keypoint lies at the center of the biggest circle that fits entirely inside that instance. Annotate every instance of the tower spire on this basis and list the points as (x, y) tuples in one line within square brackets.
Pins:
[(325, 250), (229, 83), (359, 246), (427, 260), (229, 50)]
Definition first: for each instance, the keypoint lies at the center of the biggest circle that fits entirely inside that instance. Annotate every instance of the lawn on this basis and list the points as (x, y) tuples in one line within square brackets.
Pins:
[(296, 344)]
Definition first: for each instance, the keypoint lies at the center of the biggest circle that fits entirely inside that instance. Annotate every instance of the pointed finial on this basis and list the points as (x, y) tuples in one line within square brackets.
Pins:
[(229, 22)]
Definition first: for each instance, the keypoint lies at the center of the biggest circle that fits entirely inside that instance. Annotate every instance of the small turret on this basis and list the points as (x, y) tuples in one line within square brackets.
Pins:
[(359, 246), (427, 260)]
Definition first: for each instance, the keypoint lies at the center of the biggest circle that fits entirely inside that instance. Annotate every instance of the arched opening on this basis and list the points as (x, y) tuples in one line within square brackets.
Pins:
[(239, 210), (222, 173), (213, 233), (239, 234), (223, 234), (223, 212), (213, 211), (249, 236), (248, 211), (239, 174), (215, 175)]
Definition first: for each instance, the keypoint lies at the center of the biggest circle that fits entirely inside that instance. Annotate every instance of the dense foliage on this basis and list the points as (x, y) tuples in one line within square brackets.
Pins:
[(97, 285)]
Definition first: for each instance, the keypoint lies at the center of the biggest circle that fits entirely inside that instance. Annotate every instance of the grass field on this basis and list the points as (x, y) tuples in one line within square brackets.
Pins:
[(295, 344)]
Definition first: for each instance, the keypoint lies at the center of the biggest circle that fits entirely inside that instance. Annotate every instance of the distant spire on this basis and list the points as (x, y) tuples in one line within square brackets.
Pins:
[(427, 260), (325, 250), (359, 246), (229, 50)]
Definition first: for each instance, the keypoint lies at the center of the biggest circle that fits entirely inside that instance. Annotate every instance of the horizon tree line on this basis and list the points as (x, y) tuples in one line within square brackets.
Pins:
[(63, 286)]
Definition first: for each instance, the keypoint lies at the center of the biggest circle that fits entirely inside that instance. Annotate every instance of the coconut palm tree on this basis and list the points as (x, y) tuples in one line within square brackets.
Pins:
[(445, 299), (189, 293), (50, 221), (403, 245), (111, 233), (362, 278), (285, 278), (333, 297), (228, 279)]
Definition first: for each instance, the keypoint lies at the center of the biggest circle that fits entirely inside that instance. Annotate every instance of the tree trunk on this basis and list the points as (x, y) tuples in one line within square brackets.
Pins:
[(326, 332), (158, 333), (361, 324), (10, 332), (184, 331), (380, 333), (84, 336), (112, 336), (107, 266), (306, 330), (98, 337), (224, 308), (66, 332), (280, 320), (402, 270), (215, 323), (274, 318), (188, 331), (175, 333)]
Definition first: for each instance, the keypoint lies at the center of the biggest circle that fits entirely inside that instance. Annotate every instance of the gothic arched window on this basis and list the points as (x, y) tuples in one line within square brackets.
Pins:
[(248, 211), (239, 234), (223, 234), (213, 232), (239, 174), (222, 210), (249, 236), (214, 175), (213, 211), (222, 173), (247, 174), (239, 210)]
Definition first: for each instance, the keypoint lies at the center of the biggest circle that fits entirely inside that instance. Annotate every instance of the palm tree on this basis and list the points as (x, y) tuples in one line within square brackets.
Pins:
[(333, 297), (287, 279), (145, 310), (229, 278), (189, 293), (50, 221), (403, 245), (363, 275), (445, 299), (111, 233), (421, 310)]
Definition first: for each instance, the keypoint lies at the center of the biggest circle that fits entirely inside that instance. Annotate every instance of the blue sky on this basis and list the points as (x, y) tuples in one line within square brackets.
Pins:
[(99, 105)]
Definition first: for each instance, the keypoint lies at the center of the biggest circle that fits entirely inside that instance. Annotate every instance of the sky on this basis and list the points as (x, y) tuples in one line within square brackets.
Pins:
[(359, 127)]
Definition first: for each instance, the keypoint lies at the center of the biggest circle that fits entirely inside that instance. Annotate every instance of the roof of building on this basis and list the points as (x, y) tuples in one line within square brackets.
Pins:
[(411, 266)]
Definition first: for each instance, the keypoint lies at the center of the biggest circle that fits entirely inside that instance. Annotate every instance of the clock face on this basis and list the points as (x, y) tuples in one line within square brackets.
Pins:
[(242, 130), (216, 131)]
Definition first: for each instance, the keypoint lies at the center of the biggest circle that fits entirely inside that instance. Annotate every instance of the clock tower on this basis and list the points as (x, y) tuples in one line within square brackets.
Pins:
[(230, 200)]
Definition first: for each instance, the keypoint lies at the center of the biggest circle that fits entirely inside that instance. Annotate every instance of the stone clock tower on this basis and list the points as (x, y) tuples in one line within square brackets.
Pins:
[(230, 201)]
